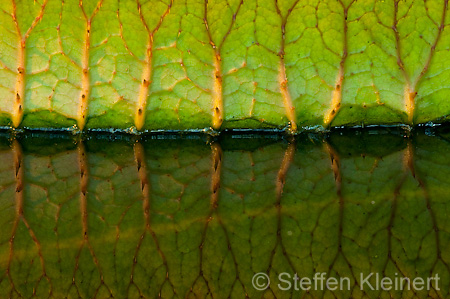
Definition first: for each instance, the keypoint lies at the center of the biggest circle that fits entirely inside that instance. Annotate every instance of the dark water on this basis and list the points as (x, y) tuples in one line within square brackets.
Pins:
[(191, 217)]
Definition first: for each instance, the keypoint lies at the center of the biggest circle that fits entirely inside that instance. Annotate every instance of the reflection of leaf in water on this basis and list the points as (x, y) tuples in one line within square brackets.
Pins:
[(182, 219)]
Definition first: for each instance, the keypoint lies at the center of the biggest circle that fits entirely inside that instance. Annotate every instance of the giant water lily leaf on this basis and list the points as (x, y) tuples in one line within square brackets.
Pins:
[(189, 65), (182, 218)]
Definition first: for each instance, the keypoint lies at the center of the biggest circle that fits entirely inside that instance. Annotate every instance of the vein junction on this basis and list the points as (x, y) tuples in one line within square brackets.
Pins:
[(19, 93)]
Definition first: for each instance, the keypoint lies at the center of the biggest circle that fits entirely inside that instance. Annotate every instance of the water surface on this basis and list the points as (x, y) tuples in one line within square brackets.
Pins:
[(193, 217)]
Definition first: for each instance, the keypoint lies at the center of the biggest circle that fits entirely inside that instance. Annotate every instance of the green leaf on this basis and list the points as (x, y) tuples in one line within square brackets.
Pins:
[(182, 218), (189, 65)]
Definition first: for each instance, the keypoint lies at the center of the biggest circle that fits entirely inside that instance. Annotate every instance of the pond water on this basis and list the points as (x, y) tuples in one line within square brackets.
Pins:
[(198, 217)]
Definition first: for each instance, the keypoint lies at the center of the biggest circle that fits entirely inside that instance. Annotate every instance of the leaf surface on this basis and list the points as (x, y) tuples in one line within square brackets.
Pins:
[(190, 65)]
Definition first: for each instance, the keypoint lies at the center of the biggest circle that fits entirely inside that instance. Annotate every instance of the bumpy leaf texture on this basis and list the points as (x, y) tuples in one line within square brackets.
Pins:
[(183, 219), (183, 65)]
